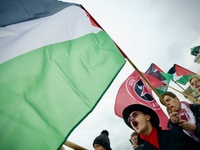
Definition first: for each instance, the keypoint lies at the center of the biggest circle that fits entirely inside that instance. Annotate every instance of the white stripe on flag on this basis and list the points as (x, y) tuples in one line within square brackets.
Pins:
[(14, 37)]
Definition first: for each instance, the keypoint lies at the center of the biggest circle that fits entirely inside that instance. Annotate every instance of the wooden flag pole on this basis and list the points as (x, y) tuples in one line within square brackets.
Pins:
[(160, 98), (74, 146), (191, 98), (178, 84)]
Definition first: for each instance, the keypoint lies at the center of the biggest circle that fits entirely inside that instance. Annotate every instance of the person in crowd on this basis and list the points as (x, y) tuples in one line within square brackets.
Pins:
[(102, 142), (146, 122), (195, 85), (195, 82), (134, 141), (183, 115)]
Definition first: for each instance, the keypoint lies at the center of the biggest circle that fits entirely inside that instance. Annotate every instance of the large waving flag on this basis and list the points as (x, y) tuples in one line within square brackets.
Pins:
[(180, 74), (135, 91), (155, 71), (54, 70)]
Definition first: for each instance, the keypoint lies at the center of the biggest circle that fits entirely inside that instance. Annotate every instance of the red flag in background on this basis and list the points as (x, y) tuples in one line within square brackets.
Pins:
[(135, 91)]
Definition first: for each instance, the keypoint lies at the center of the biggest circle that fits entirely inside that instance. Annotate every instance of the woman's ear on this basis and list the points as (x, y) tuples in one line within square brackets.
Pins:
[(148, 117)]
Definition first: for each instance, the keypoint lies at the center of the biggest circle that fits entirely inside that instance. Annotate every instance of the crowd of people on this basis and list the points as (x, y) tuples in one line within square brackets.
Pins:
[(183, 124)]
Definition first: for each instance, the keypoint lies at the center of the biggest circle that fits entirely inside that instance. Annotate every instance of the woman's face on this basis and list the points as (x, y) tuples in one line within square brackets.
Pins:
[(195, 83), (139, 122)]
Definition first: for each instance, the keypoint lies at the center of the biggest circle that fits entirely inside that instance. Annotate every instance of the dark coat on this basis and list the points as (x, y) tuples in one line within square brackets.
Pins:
[(196, 111), (171, 140)]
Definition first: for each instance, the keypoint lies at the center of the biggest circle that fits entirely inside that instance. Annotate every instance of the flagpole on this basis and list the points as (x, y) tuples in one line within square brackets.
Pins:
[(178, 84), (191, 98), (161, 99), (74, 146), (126, 57)]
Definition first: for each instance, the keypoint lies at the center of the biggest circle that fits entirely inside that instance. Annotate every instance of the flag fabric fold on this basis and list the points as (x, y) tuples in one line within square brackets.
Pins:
[(134, 90), (54, 71), (156, 72), (180, 74)]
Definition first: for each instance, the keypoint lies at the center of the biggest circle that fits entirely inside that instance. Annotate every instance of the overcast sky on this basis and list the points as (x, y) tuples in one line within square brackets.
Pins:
[(147, 31)]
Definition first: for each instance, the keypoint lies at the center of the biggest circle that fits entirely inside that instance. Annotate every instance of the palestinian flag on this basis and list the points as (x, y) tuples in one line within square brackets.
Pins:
[(180, 74), (55, 65), (156, 72)]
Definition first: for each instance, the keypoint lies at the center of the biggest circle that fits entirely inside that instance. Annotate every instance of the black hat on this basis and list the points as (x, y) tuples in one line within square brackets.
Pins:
[(103, 140), (138, 107)]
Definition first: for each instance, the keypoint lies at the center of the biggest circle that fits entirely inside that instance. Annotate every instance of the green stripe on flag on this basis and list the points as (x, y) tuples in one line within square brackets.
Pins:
[(184, 79), (47, 92)]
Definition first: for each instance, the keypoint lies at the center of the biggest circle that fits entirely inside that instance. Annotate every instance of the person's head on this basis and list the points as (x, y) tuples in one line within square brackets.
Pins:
[(140, 118), (195, 82), (172, 101), (102, 141), (134, 139)]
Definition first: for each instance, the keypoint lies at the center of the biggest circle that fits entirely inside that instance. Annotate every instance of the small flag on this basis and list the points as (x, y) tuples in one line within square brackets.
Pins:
[(156, 72), (135, 91), (180, 74)]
